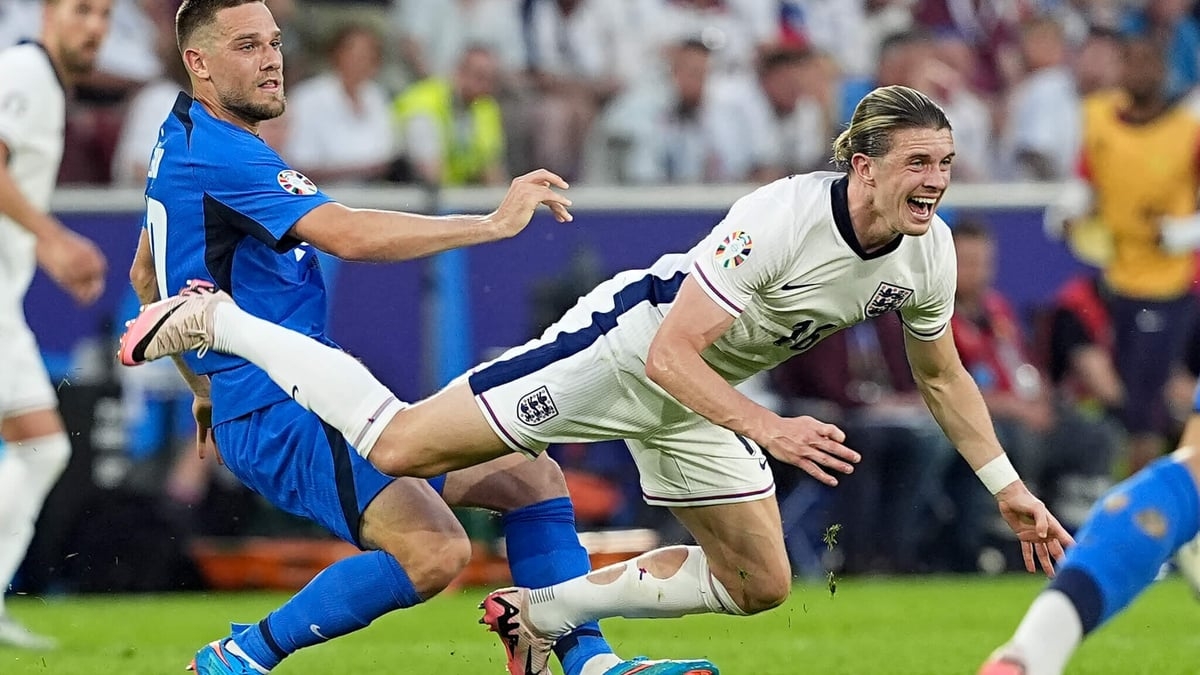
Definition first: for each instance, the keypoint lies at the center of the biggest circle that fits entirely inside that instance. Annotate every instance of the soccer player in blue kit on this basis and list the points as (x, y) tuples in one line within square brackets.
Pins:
[(223, 211)]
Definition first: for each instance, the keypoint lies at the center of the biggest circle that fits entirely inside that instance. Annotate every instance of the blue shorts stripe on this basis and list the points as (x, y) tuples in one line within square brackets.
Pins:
[(649, 288)]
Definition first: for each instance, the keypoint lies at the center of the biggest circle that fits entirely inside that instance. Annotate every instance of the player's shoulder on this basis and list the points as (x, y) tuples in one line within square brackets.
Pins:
[(28, 63), (798, 192), (939, 240)]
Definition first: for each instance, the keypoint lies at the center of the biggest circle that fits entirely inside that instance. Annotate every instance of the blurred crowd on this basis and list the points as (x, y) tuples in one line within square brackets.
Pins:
[(460, 92)]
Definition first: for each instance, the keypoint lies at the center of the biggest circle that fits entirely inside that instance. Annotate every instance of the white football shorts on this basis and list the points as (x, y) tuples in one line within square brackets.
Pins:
[(561, 390), (24, 382)]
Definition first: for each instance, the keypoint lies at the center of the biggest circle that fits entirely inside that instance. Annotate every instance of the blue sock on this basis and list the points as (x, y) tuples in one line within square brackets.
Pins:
[(344, 597), (1131, 532), (544, 549)]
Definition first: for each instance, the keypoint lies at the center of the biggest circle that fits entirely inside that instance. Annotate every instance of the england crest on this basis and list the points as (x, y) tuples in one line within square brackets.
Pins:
[(536, 407), (887, 298)]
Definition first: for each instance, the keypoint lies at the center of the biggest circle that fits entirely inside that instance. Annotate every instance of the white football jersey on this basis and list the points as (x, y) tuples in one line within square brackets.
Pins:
[(32, 124), (786, 263)]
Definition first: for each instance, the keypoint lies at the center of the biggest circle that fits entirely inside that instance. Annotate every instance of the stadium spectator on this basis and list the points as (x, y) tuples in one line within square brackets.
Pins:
[(1060, 450), (451, 128), (1043, 122), (1169, 25), (1140, 168), (581, 53), (340, 127), (1097, 63), (859, 379), (673, 133), (434, 35), (145, 111)]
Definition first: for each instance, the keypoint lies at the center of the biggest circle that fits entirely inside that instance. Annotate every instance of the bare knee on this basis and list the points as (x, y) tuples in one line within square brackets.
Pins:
[(398, 457), (432, 566), (755, 592)]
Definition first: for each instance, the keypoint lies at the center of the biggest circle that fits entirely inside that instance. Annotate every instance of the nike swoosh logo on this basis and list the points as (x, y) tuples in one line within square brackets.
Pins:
[(796, 287), (295, 391), (316, 630), (762, 464), (139, 350)]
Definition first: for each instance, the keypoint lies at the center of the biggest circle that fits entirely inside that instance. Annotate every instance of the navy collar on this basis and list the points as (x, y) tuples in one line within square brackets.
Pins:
[(839, 195)]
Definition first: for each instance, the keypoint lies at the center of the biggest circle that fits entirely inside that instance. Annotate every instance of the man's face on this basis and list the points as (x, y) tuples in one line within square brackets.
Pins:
[(78, 28), (1144, 72), (910, 180), (242, 54), (477, 75), (976, 266)]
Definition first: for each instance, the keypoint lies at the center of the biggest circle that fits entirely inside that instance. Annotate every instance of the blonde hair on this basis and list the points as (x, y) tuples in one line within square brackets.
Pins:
[(878, 114)]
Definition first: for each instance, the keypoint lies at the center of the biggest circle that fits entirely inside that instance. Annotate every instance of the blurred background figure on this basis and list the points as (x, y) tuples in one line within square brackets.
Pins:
[(340, 126), (451, 127), (1043, 117), (1140, 174)]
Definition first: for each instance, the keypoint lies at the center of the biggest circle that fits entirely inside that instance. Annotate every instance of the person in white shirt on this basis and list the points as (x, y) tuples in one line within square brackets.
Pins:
[(33, 76), (653, 356), (340, 125)]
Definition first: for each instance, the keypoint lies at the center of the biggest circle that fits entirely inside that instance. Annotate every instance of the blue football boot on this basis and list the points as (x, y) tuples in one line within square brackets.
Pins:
[(644, 666)]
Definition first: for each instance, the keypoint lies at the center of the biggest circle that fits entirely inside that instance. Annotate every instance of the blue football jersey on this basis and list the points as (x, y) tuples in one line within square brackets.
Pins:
[(219, 207)]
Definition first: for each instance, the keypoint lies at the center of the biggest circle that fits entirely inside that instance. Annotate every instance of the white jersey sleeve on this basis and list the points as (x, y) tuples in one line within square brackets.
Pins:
[(23, 94), (749, 250), (928, 316)]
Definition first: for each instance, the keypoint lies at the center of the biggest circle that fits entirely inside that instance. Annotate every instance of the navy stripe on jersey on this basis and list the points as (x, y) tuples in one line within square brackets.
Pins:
[(649, 288), (343, 472), (923, 334), (183, 112)]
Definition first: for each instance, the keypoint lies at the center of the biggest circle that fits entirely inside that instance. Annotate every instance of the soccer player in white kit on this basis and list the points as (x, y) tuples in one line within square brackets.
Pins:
[(653, 357), (33, 79)]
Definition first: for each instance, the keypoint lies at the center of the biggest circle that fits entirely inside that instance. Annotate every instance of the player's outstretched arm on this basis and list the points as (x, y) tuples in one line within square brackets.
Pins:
[(956, 403), (72, 261), (674, 363), (381, 236)]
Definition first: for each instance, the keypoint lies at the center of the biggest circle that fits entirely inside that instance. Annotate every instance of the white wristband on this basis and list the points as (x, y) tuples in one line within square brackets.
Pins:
[(997, 474)]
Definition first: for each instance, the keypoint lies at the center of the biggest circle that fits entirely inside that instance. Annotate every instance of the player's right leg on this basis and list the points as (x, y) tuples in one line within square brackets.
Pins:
[(413, 546), (1147, 518), (36, 452), (442, 434)]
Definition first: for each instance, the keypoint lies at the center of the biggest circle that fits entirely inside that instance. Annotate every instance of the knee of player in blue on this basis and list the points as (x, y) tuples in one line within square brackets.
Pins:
[(1131, 532)]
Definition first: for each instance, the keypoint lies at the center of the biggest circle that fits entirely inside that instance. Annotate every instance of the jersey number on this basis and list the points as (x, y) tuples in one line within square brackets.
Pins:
[(804, 335), (156, 225)]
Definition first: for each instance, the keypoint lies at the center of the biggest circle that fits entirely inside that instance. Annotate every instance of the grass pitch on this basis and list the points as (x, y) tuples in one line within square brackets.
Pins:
[(915, 626)]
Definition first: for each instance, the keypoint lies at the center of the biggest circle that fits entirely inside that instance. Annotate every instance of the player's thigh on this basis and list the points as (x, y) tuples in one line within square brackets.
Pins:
[(552, 392), (28, 404), (505, 483), (743, 542), (442, 433), (301, 465)]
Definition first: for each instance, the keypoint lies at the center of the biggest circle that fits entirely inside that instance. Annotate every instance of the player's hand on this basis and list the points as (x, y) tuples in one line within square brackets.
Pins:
[(813, 446), (74, 263), (524, 195), (1043, 539), (202, 412)]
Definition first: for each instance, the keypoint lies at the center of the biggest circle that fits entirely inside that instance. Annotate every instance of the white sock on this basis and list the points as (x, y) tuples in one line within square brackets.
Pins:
[(28, 471), (600, 664), (1049, 634), (325, 380), (634, 594)]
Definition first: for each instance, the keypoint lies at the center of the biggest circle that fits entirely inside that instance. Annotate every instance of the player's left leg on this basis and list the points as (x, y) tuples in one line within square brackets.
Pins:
[(1146, 519), (543, 548), (36, 452)]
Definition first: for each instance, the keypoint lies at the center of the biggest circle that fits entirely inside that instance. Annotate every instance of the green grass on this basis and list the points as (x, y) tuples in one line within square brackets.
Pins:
[(871, 627)]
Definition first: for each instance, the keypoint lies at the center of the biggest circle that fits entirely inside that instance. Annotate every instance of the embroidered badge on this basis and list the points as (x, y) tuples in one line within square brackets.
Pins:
[(887, 298), (296, 183), (734, 250), (536, 407)]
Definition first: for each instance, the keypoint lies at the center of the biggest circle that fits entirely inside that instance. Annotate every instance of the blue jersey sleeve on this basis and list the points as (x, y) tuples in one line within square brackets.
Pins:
[(250, 188)]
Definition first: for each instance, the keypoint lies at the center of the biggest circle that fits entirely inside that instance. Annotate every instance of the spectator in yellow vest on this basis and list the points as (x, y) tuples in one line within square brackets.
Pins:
[(451, 127)]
